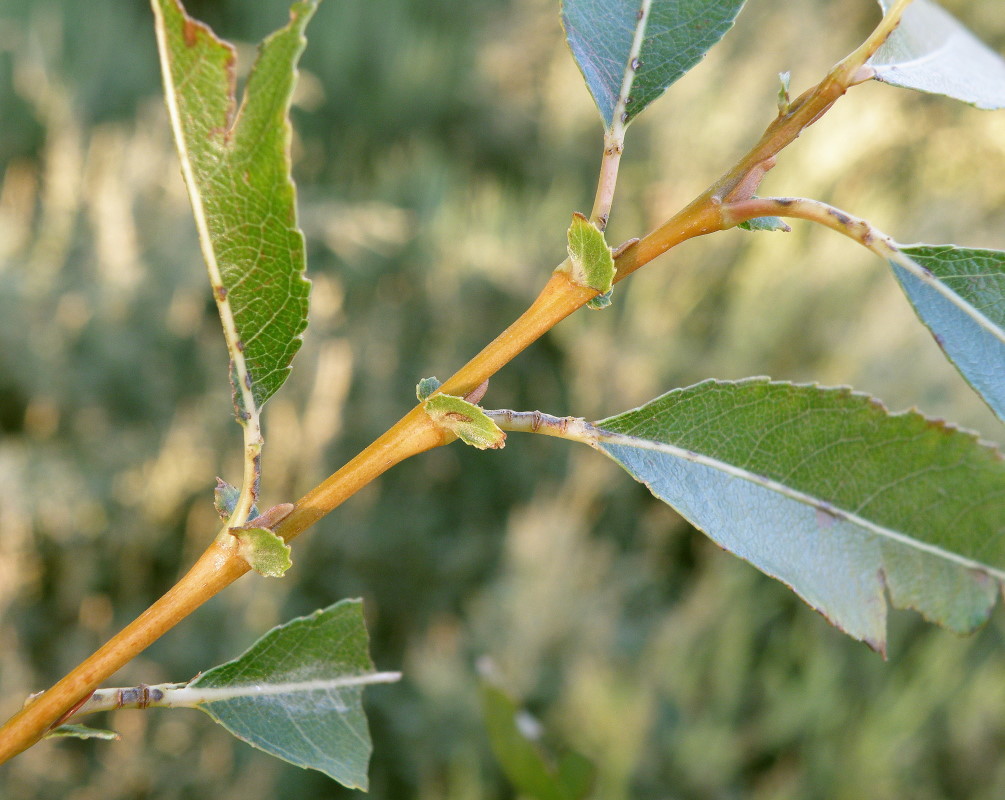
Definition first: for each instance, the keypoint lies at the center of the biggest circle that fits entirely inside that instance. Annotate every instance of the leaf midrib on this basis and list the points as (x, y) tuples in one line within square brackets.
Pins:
[(804, 498)]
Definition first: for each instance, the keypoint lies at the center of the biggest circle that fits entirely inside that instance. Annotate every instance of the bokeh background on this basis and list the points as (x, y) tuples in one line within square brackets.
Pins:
[(440, 149)]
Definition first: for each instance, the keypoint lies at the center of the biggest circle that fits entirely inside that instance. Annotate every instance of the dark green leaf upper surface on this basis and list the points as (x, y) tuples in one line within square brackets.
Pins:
[(830, 493), (675, 35), (964, 307), (932, 52), (297, 693), (237, 165)]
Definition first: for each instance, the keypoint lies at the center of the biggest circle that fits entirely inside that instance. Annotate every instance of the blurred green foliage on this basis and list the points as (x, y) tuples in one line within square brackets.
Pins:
[(441, 147)]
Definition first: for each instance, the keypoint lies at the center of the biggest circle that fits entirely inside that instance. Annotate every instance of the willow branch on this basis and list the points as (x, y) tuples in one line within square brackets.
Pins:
[(720, 206)]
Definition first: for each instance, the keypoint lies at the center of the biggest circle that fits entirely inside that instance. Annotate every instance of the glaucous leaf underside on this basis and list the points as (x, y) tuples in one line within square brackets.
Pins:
[(932, 52), (959, 293), (827, 491)]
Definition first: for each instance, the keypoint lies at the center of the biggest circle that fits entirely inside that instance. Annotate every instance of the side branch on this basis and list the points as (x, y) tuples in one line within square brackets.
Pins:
[(858, 230), (614, 137), (802, 112), (574, 429), (814, 211)]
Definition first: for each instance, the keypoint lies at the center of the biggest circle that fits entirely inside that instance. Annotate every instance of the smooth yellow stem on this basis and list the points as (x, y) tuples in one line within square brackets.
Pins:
[(219, 566)]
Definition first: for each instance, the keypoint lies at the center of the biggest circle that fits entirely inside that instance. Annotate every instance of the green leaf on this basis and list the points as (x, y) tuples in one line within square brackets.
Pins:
[(765, 224), (522, 758), (465, 420), (591, 261), (297, 693), (959, 293), (601, 301), (82, 732), (631, 51), (236, 163), (932, 52), (828, 492), (225, 499), (264, 551), (426, 387)]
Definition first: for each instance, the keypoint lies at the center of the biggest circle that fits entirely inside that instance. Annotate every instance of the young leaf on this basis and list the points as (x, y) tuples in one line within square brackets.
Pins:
[(522, 758), (631, 51), (225, 499), (828, 492), (264, 551), (765, 224), (601, 301), (932, 52), (236, 163), (465, 420), (590, 259), (82, 732), (959, 293), (426, 387), (297, 693), (784, 101)]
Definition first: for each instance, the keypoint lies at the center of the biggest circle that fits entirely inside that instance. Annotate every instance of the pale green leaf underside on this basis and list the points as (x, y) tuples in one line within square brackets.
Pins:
[(82, 732), (465, 420), (828, 492), (298, 705), (959, 293), (765, 224), (932, 52), (676, 36), (590, 258), (265, 552), (239, 163)]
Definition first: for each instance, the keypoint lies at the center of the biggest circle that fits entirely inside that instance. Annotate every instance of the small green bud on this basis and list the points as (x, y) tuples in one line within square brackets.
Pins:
[(783, 92)]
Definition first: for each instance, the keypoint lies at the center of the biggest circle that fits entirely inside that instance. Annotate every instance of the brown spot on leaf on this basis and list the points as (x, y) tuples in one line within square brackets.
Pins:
[(825, 518), (191, 32)]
